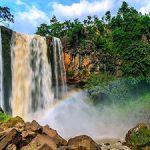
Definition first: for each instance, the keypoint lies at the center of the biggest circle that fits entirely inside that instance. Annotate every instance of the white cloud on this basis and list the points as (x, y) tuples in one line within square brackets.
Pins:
[(142, 6), (27, 21), (145, 8), (81, 9)]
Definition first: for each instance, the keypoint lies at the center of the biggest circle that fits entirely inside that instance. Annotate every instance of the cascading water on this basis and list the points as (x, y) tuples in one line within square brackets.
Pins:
[(1, 73), (59, 69), (31, 75)]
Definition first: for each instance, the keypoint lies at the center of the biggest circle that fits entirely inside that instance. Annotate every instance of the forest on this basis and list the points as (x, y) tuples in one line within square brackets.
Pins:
[(124, 37)]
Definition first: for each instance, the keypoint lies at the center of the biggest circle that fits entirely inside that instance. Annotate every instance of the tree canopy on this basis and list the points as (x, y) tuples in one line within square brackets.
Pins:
[(5, 15), (125, 35)]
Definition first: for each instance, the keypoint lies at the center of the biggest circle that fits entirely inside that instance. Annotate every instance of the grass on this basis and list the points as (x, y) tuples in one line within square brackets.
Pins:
[(4, 118)]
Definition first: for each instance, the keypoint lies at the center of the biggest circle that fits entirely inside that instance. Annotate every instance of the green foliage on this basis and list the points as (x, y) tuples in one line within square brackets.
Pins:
[(99, 83), (137, 60), (11, 122), (4, 117), (5, 15), (141, 138), (98, 80), (125, 36), (104, 87)]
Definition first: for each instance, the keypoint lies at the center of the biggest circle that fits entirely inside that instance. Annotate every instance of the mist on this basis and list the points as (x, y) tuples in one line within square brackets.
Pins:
[(76, 115)]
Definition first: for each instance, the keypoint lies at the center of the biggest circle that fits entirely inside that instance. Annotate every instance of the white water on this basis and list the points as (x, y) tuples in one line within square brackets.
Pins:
[(1, 74), (31, 75), (59, 69)]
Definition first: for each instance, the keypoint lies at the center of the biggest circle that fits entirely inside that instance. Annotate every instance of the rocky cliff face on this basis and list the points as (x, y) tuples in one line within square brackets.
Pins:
[(6, 35), (80, 64)]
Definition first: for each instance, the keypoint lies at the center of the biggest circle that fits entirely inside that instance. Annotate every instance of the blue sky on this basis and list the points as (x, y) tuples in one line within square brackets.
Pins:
[(29, 14)]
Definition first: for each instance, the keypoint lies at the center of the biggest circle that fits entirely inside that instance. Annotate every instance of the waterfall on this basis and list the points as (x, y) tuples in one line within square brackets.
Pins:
[(1, 74), (31, 75), (59, 69), (36, 76)]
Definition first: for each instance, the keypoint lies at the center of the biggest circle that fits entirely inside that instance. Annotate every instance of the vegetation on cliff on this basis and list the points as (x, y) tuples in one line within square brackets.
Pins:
[(125, 36), (121, 41)]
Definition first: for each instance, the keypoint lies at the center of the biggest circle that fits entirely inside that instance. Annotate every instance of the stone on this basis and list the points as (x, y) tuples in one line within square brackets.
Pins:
[(28, 133), (20, 126), (12, 122), (4, 133), (83, 141), (39, 142), (11, 147), (13, 137), (45, 147), (55, 136), (134, 130), (33, 126)]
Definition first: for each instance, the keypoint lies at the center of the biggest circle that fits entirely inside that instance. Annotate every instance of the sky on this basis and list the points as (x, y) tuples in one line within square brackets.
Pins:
[(29, 14)]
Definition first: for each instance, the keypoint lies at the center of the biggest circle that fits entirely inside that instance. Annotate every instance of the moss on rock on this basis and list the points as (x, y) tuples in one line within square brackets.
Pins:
[(4, 118)]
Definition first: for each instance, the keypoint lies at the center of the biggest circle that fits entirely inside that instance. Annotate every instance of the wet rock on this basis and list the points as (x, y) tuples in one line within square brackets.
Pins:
[(13, 137), (4, 133), (12, 122), (26, 134), (39, 142), (134, 130), (138, 137), (83, 141), (20, 126), (45, 147), (11, 147), (55, 136), (33, 126), (1, 130)]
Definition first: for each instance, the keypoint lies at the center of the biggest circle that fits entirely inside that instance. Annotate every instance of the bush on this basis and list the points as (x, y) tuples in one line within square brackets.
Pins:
[(4, 117)]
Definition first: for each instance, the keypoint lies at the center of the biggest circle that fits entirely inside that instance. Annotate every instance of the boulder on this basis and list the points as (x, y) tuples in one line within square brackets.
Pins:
[(138, 137), (83, 142), (45, 147), (12, 122), (33, 126), (55, 136), (11, 147), (28, 133), (27, 137), (40, 142), (134, 130), (20, 126), (13, 137), (4, 133)]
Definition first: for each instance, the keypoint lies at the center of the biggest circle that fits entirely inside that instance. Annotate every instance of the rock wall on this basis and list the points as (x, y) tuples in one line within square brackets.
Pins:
[(80, 64), (6, 55)]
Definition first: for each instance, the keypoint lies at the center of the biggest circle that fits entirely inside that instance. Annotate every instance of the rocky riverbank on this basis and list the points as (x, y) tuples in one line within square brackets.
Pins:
[(15, 134)]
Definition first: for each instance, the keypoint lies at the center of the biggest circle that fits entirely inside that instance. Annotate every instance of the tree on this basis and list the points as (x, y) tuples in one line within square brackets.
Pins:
[(5, 15), (108, 16), (137, 60)]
